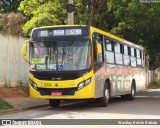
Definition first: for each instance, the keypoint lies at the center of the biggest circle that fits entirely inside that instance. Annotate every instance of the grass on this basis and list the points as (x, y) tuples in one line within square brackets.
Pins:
[(155, 83), (4, 105)]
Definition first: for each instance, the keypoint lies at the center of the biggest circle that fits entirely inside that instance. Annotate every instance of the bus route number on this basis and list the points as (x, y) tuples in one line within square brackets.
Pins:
[(44, 33)]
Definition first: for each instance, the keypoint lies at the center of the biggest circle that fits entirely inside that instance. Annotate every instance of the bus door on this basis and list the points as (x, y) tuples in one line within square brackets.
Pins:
[(98, 68)]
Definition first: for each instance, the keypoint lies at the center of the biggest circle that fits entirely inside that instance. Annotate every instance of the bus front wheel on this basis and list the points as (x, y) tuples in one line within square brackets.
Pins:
[(54, 103)]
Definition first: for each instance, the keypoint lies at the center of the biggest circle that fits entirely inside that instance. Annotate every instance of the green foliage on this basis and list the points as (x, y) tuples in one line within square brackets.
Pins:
[(48, 12), (42, 13), (139, 23), (4, 105), (155, 84), (9, 5)]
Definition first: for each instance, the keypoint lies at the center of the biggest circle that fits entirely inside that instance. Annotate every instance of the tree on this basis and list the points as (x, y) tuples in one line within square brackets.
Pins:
[(90, 10), (139, 23), (9, 5), (42, 13), (48, 12)]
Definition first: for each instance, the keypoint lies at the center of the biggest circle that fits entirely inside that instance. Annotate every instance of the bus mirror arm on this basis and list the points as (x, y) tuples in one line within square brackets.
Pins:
[(24, 51)]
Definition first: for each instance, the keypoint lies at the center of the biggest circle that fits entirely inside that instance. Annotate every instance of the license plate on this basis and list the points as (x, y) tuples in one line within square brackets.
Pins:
[(56, 93)]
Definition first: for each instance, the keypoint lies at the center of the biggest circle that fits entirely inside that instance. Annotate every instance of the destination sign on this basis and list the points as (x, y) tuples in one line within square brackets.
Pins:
[(60, 32)]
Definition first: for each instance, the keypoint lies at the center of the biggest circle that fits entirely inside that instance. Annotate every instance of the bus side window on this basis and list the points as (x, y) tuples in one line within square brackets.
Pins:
[(118, 53), (139, 62), (126, 57), (109, 51), (142, 56), (99, 51), (133, 58), (129, 51)]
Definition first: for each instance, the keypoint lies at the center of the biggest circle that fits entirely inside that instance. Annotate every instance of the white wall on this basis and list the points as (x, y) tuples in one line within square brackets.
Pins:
[(13, 69)]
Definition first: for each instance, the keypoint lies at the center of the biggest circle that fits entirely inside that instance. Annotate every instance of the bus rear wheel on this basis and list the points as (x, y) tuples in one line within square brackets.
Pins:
[(131, 96), (54, 103), (104, 101)]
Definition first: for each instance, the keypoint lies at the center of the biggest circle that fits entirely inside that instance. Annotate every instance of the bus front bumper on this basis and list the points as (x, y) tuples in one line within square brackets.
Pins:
[(66, 94)]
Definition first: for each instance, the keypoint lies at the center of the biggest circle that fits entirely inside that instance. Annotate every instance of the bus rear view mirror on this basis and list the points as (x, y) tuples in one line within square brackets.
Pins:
[(24, 51)]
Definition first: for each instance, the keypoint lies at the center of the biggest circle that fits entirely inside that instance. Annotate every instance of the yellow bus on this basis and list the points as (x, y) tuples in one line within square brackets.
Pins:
[(78, 62)]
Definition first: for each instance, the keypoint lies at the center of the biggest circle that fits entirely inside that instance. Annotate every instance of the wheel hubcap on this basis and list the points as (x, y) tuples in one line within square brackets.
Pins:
[(132, 92), (107, 94)]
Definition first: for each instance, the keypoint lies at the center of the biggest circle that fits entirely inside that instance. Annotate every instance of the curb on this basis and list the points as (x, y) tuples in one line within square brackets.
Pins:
[(15, 110)]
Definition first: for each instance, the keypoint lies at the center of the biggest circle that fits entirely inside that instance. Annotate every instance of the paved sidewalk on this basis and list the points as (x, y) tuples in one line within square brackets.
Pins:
[(24, 103), (20, 100)]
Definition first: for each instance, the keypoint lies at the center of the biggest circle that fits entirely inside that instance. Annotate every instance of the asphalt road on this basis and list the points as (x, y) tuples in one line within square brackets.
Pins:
[(145, 106)]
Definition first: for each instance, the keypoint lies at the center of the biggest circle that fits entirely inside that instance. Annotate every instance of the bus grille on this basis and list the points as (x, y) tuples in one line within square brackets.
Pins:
[(65, 91), (56, 76)]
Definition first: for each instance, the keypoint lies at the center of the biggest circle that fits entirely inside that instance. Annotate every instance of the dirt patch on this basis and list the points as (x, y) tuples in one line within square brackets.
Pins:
[(9, 92), (152, 86)]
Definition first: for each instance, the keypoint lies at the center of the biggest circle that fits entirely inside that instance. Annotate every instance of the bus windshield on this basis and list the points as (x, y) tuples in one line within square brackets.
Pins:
[(60, 55)]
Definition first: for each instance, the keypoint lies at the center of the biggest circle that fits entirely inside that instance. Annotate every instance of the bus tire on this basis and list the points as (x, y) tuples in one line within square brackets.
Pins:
[(104, 101), (131, 96), (54, 103)]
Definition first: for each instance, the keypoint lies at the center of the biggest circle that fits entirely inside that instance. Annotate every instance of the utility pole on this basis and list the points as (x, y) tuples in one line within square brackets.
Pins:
[(70, 9)]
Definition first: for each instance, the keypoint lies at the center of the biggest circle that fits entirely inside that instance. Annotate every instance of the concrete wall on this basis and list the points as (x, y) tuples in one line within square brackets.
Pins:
[(13, 69)]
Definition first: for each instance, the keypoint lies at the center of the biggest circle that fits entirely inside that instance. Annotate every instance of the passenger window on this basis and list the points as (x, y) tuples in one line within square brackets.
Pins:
[(109, 51), (129, 51), (133, 62), (126, 57), (138, 54), (99, 51), (117, 48), (118, 58), (135, 53), (132, 52), (133, 59), (139, 61), (109, 57), (125, 50), (118, 55), (109, 45), (121, 48), (142, 56)]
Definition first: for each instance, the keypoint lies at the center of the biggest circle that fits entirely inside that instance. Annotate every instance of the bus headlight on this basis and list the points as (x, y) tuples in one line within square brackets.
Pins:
[(34, 85), (84, 83)]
